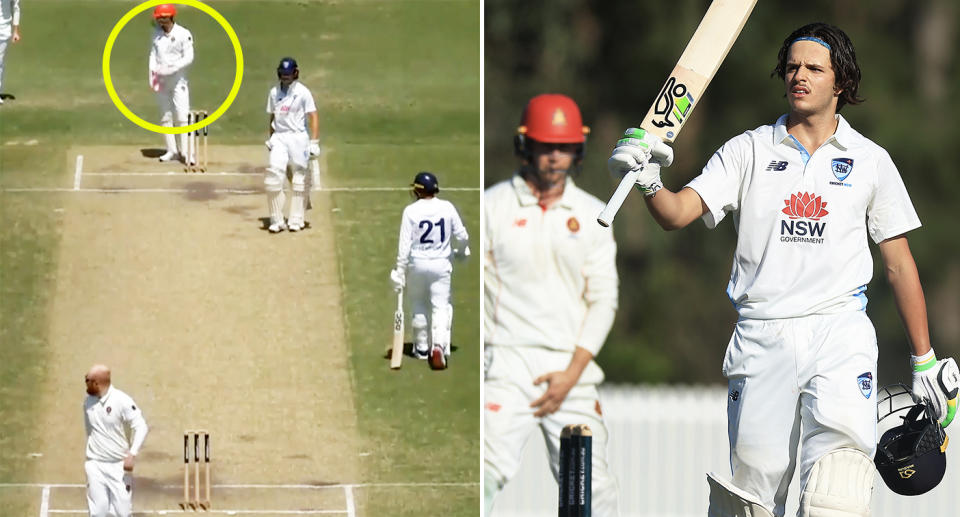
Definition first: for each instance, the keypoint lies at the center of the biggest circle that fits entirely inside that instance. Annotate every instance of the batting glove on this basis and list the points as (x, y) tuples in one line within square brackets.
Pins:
[(938, 383), (397, 278), (314, 148), (640, 150)]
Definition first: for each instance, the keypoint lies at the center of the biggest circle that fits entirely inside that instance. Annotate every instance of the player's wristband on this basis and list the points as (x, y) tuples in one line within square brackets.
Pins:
[(923, 362)]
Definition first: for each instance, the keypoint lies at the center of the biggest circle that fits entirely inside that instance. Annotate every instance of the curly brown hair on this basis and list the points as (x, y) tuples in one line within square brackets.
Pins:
[(842, 58)]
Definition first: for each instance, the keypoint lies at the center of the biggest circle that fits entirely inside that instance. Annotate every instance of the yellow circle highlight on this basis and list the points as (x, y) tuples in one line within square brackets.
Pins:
[(175, 130)]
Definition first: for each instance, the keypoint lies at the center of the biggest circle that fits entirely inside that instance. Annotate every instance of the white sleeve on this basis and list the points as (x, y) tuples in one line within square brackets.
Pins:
[(309, 106), (15, 7), (600, 293), (138, 426), (187, 58), (890, 212), (403, 249), (270, 102), (457, 227), (719, 183), (152, 61), (86, 420)]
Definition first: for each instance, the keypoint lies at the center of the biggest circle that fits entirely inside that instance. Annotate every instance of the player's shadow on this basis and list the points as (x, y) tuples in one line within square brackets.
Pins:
[(152, 152), (7, 96)]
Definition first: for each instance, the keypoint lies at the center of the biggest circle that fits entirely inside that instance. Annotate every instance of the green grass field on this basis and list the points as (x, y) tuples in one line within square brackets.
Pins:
[(398, 90)]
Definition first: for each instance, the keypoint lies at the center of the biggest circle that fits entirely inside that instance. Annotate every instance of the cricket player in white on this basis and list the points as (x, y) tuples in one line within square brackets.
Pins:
[(171, 52), (110, 416), (9, 32), (423, 265), (290, 104), (550, 296), (804, 194)]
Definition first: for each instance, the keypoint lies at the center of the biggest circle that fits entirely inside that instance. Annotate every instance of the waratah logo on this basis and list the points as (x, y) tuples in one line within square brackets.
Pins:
[(805, 205)]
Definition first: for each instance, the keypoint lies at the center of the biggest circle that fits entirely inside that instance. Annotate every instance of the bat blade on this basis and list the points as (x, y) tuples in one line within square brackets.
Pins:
[(396, 356), (681, 93)]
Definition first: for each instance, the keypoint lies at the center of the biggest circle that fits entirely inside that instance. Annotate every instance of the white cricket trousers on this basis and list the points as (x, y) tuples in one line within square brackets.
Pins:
[(289, 148), (508, 420), (809, 380), (109, 489), (6, 33), (428, 284), (173, 99)]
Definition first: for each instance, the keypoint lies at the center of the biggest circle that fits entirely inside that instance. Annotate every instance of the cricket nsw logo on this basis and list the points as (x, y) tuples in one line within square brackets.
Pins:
[(841, 167), (865, 382), (804, 211)]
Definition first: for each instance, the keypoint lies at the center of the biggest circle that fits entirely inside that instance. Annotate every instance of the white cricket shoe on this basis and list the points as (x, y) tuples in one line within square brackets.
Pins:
[(421, 351), (294, 227), (277, 227), (170, 156)]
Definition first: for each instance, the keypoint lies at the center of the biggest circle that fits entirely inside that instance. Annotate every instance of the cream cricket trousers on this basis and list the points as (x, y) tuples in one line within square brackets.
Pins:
[(109, 489), (173, 99), (809, 380), (508, 419)]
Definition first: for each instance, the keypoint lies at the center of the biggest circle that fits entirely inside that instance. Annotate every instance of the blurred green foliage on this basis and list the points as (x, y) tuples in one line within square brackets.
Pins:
[(612, 57)]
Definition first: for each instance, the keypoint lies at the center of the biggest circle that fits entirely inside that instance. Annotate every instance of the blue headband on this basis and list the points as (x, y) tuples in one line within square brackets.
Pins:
[(811, 38)]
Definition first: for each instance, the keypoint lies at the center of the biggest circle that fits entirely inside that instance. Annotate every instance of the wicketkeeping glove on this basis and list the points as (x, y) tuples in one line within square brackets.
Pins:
[(314, 147), (398, 279), (937, 382)]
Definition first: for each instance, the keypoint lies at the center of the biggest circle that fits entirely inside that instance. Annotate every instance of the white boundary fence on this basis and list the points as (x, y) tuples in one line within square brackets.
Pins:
[(663, 441)]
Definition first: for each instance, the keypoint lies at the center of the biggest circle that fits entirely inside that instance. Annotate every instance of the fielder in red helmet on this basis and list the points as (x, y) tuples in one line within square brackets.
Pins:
[(550, 288), (171, 52)]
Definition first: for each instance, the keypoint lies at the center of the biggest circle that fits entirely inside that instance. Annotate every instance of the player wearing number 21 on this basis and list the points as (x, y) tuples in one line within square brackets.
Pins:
[(424, 268), (805, 193), (550, 296)]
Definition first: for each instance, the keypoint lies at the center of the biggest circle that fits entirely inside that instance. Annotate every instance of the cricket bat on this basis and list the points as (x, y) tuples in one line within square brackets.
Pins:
[(396, 357), (707, 49)]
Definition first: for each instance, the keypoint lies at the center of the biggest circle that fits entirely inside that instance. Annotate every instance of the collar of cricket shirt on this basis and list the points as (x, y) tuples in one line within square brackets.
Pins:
[(841, 138), (526, 196)]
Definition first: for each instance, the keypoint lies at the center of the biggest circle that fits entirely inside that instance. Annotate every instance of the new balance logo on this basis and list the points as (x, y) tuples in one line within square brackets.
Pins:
[(777, 166)]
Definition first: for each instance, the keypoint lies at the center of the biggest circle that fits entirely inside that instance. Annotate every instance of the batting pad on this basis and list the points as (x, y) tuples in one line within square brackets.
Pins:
[(727, 500), (840, 485)]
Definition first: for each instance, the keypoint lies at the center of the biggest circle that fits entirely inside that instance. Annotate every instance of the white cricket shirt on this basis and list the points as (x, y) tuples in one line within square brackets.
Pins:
[(289, 108), (10, 12), (425, 230), (108, 419), (803, 218), (550, 276), (171, 52)]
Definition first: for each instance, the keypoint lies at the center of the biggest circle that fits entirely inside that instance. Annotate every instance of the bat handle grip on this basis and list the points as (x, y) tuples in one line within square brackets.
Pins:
[(616, 200)]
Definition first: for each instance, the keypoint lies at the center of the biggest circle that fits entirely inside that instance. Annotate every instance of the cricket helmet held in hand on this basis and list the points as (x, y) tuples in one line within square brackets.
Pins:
[(164, 11), (425, 183), (551, 118), (911, 455), (288, 66)]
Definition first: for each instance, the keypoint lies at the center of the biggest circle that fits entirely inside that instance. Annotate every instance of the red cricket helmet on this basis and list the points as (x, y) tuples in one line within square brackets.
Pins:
[(164, 11), (554, 119)]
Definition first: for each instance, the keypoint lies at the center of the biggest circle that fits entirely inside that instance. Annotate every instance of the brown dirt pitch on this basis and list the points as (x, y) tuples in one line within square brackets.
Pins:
[(207, 321)]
